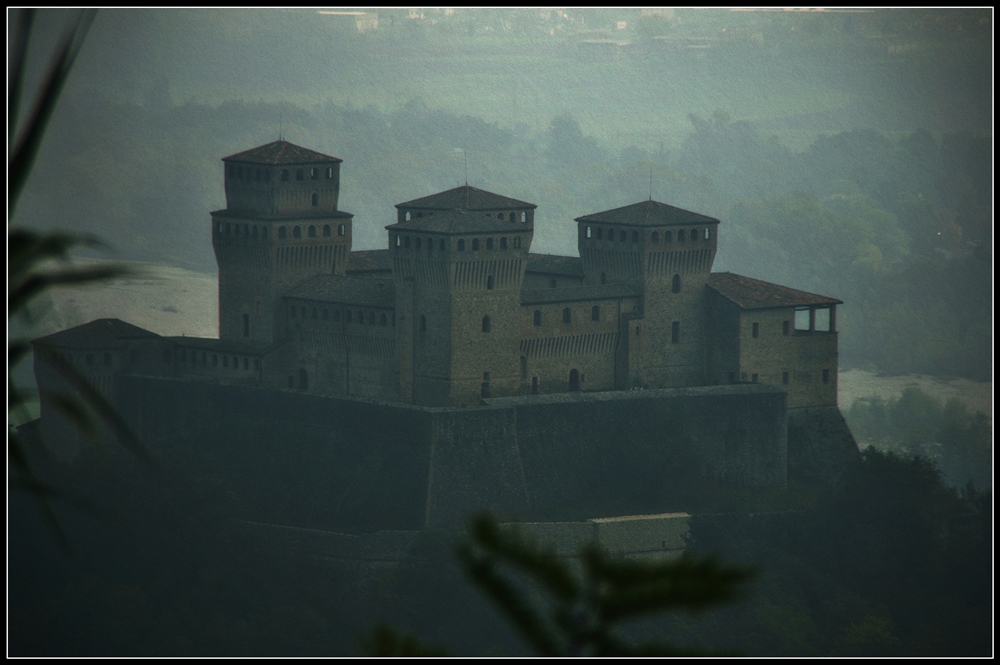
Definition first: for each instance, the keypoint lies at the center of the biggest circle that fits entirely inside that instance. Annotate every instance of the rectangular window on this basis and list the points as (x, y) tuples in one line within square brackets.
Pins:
[(756, 329), (822, 319), (802, 318)]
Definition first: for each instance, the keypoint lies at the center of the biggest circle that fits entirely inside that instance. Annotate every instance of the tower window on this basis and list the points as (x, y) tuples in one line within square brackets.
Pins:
[(256, 364), (486, 324), (407, 218), (503, 243), (296, 232), (314, 173), (524, 217), (406, 242), (225, 361), (694, 235), (312, 229), (595, 313), (707, 234), (680, 236), (326, 230), (416, 243), (341, 229), (329, 173), (675, 332), (517, 242), (655, 238), (588, 233), (566, 315), (315, 199), (300, 174), (675, 284), (284, 175), (755, 331), (512, 217), (668, 236), (475, 244), (538, 317)]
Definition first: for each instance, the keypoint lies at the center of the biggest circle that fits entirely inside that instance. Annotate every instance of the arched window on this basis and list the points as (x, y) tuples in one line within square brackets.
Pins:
[(694, 235), (326, 230), (489, 282), (668, 236), (588, 233), (517, 242), (407, 215), (329, 173), (315, 199), (595, 313), (300, 174), (707, 234), (383, 320), (486, 324), (475, 244), (461, 244), (524, 217), (399, 241), (538, 317), (503, 243), (680, 236), (303, 380), (500, 215), (512, 217), (284, 175), (524, 367), (296, 232), (566, 315), (675, 284), (423, 323), (341, 230), (312, 231)]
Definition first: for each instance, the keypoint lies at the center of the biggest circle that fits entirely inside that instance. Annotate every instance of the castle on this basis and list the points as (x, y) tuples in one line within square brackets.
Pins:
[(389, 345)]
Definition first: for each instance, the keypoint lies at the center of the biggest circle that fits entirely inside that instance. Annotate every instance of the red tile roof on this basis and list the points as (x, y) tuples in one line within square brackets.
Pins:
[(466, 198), (648, 213), (280, 152), (749, 293)]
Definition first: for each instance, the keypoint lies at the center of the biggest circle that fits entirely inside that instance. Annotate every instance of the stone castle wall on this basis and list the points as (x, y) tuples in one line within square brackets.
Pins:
[(360, 466)]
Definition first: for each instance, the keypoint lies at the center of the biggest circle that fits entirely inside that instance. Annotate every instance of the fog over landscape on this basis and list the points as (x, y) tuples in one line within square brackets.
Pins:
[(847, 153)]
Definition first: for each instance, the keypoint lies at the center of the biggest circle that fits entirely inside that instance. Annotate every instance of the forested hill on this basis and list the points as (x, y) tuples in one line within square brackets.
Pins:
[(836, 165)]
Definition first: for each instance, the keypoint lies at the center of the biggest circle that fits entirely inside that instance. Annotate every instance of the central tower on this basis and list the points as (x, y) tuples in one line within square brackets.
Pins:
[(280, 227), (458, 262)]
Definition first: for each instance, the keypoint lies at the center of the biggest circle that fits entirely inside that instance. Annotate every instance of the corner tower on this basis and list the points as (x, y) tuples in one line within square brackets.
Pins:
[(667, 253), (458, 276), (280, 227)]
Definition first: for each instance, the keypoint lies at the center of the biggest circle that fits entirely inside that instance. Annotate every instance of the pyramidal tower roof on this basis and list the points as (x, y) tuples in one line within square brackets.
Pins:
[(280, 152), (465, 197), (649, 213)]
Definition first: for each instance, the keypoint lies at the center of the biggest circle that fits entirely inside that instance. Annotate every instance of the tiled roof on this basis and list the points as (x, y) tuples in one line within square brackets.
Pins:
[(552, 264), (749, 293), (369, 260), (99, 334), (466, 198), (350, 290), (280, 152), (575, 293), (459, 221), (649, 213)]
